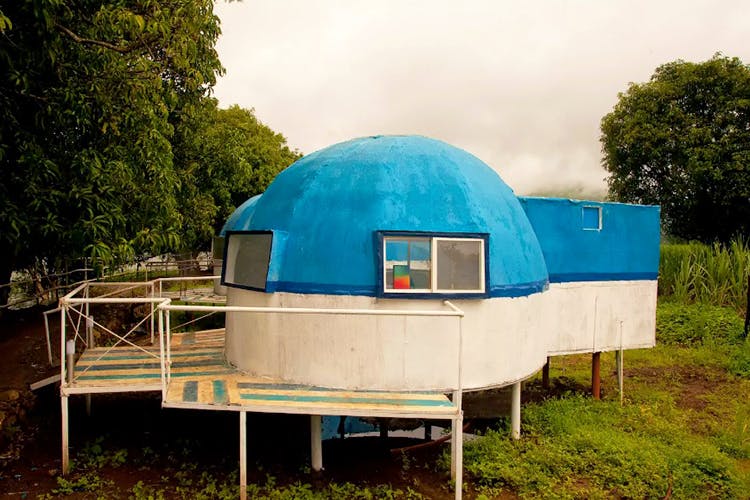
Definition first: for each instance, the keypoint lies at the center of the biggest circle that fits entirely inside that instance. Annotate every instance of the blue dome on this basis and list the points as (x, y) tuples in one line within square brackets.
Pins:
[(241, 216), (327, 209)]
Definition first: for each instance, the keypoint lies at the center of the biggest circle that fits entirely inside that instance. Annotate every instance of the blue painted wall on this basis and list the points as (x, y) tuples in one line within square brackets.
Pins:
[(625, 248), (328, 207)]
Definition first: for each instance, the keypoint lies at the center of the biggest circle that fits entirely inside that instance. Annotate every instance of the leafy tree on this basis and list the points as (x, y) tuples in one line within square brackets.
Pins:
[(682, 140), (91, 92), (225, 156)]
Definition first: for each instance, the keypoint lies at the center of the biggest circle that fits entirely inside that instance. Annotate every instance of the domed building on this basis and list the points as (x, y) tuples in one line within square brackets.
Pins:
[(406, 223)]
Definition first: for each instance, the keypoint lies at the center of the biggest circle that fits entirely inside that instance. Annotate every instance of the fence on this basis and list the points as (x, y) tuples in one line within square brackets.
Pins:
[(42, 288)]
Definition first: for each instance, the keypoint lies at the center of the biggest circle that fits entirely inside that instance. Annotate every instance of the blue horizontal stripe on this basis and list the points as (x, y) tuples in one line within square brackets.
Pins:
[(514, 290), (339, 399), (127, 376), (519, 289), (212, 360), (300, 387), (282, 387), (91, 358), (321, 288), (632, 276)]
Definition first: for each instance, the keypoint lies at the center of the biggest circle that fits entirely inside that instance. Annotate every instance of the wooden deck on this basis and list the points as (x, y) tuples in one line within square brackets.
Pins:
[(236, 392), (202, 379), (129, 369)]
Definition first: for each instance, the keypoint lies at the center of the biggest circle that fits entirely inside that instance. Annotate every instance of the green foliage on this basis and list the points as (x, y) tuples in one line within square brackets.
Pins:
[(87, 482), (225, 156), (718, 328), (713, 274), (579, 448), (88, 107), (688, 325), (680, 141), (110, 146)]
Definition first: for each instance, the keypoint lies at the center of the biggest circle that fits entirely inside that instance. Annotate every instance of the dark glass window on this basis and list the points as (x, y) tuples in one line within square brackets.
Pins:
[(248, 256)]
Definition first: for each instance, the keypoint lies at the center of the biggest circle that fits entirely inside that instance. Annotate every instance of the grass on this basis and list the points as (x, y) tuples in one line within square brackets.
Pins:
[(683, 430), (712, 274)]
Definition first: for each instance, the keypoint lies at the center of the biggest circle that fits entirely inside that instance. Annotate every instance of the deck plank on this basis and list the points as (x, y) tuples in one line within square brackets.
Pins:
[(201, 378)]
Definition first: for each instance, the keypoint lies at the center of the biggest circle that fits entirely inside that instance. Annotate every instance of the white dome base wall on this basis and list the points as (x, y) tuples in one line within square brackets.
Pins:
[(602, 316), (504, 339)]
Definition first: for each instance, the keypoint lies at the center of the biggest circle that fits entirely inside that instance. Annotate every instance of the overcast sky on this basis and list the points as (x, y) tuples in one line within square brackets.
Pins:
[(522, 85)]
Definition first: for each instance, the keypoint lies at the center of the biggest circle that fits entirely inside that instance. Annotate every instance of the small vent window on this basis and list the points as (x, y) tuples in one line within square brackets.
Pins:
[(592, 218), (248, 256)]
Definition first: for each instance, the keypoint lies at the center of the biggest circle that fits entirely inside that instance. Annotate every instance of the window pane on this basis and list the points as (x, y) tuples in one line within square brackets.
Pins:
[(592, 218), (247, 260), (408, 264), (459, 265)]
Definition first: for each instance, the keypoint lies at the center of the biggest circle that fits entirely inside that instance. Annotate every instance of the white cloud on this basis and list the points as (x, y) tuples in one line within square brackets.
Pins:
[(522, 85)]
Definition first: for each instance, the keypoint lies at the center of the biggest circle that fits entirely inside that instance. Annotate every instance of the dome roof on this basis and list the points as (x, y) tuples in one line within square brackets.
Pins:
[(327, 209)]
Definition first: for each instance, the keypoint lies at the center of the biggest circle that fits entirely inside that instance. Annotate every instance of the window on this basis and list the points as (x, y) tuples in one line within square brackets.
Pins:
[(247, 259), (592, 218), (433, 264)]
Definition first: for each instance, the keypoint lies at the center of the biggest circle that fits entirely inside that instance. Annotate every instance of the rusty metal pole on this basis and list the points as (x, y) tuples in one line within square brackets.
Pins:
[(595, 375), (545, 374)]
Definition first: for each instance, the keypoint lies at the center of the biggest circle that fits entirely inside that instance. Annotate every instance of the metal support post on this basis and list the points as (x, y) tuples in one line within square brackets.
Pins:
[(620, 375), (90, 330), (243, 455), (152, 315), (316, 443), (596, 375), (457, 453), (70, 354), (64, 419), (383, 428), (515, 411), (545, 374)]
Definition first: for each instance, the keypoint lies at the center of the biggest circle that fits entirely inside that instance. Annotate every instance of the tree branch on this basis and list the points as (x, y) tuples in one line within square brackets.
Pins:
[(122, 49)]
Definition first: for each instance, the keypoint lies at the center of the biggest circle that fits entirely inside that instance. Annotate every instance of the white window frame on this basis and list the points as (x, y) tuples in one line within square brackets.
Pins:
[(583, 211), (434, 240)]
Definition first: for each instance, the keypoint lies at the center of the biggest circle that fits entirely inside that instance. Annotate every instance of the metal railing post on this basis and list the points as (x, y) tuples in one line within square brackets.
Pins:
[(63, 367)]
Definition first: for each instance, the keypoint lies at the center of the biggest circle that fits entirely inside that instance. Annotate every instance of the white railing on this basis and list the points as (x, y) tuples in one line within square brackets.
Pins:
[(75, 317), (77, 322), (165, 338)]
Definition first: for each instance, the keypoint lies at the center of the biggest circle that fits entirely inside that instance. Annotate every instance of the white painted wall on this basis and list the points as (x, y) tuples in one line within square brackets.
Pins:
[(504, 339)]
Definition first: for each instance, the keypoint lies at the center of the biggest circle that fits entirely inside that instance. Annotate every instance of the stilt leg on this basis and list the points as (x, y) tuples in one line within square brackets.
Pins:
[(65, 453), (595, 375), (457, 454), (383, 427), (88, 405), (316, 443), (545, 374), (620, 377), (243, 455), (454, 429), (515, 411)]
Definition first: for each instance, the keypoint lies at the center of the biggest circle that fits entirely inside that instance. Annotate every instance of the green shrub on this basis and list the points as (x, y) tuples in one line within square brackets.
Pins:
[(695, 324)]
